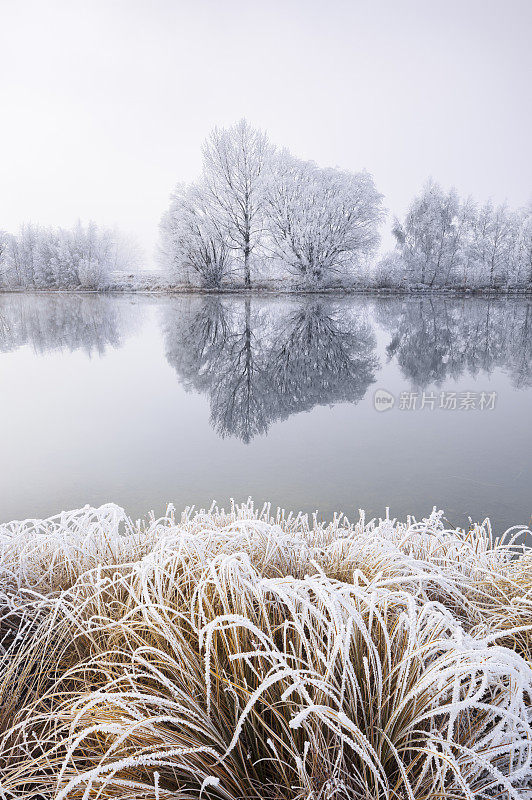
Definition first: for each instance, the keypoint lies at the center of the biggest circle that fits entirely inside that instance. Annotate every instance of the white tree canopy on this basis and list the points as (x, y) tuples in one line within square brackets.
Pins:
[(253, 201), (56, 258), (446, 241), (320, 220)]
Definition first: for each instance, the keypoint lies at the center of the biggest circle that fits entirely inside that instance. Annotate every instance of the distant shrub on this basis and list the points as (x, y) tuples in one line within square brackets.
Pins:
[(390, 272)]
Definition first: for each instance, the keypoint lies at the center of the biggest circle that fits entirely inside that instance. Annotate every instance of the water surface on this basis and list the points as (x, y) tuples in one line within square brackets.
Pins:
[(145, 400)]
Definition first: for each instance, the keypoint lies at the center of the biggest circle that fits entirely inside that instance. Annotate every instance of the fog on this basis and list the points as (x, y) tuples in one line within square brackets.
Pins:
[(104, 105)]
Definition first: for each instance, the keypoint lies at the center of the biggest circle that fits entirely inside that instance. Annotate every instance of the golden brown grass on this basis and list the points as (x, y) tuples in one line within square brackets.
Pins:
[(244, 655)]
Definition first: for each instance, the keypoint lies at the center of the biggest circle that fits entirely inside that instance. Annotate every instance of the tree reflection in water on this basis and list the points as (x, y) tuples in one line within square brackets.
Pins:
[(436, 339), (47, 322), (263, 361)]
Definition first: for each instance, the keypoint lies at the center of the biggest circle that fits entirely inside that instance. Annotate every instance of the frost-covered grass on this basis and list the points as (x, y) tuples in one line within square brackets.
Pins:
[(242, 654)]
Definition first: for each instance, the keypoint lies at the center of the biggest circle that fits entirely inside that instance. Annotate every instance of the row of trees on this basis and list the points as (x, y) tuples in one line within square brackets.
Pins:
[(446, 241), (55, 258), (257, 212)]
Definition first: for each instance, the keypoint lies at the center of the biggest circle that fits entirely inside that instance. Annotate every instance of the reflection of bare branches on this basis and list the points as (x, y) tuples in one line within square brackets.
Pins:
[(4, 327), (213, 347), (322, 357), (196, 339), (62, 322), (434, 339), (270, 360), (239, 400), (519, 363)]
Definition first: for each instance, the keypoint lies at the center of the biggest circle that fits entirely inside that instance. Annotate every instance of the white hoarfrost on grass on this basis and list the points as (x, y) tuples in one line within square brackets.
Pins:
[(242, 654)]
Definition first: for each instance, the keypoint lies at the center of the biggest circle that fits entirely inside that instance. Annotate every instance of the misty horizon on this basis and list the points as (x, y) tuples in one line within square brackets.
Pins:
[(414, 92)]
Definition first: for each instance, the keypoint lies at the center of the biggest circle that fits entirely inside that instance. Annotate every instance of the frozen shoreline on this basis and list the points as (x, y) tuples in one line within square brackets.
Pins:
[(156, 288)]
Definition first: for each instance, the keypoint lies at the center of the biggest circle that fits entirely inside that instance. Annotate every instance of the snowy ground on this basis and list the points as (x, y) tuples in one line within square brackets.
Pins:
[(156, 282)]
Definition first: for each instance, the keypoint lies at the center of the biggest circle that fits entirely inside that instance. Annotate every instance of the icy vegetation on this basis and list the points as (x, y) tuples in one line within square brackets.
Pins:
[(448, 242), (242, 654), (259, 217), (56, 258), (258, 214)]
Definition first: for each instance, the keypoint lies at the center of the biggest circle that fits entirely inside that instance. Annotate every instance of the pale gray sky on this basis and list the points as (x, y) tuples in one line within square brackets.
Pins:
[(104, 103)]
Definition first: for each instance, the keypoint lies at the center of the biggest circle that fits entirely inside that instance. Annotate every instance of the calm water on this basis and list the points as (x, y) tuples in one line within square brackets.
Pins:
[(144, 400)]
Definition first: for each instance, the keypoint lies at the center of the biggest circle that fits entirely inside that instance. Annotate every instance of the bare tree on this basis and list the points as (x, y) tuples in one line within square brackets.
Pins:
[(193, 244), (320, 220), (445, 241), (235, 160), (494, 231)]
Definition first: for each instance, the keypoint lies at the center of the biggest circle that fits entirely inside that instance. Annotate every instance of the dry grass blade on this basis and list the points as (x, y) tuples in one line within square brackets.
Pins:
[(242, 654)]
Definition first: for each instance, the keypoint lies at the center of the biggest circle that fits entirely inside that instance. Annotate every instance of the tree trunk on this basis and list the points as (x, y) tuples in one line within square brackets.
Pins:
[(247, 275), (247, 272)]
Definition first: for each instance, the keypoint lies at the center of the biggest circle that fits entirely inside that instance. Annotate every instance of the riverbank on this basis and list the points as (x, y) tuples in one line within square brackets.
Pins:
[(259, 291), (154, 283), (262, 655)]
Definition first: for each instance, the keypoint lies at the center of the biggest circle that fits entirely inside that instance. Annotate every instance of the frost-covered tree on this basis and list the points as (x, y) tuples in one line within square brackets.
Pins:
[(95, 255), (389, 273), (320, 221), (445, 241), (524, 247), (235, 161), (254, 204), (433, 236), (55, 258), (493, 243), (22, 258), (4, 245), (65, 248), (193, 245)]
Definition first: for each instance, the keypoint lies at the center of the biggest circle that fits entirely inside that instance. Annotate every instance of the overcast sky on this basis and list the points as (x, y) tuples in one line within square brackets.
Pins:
[(104, 103)]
